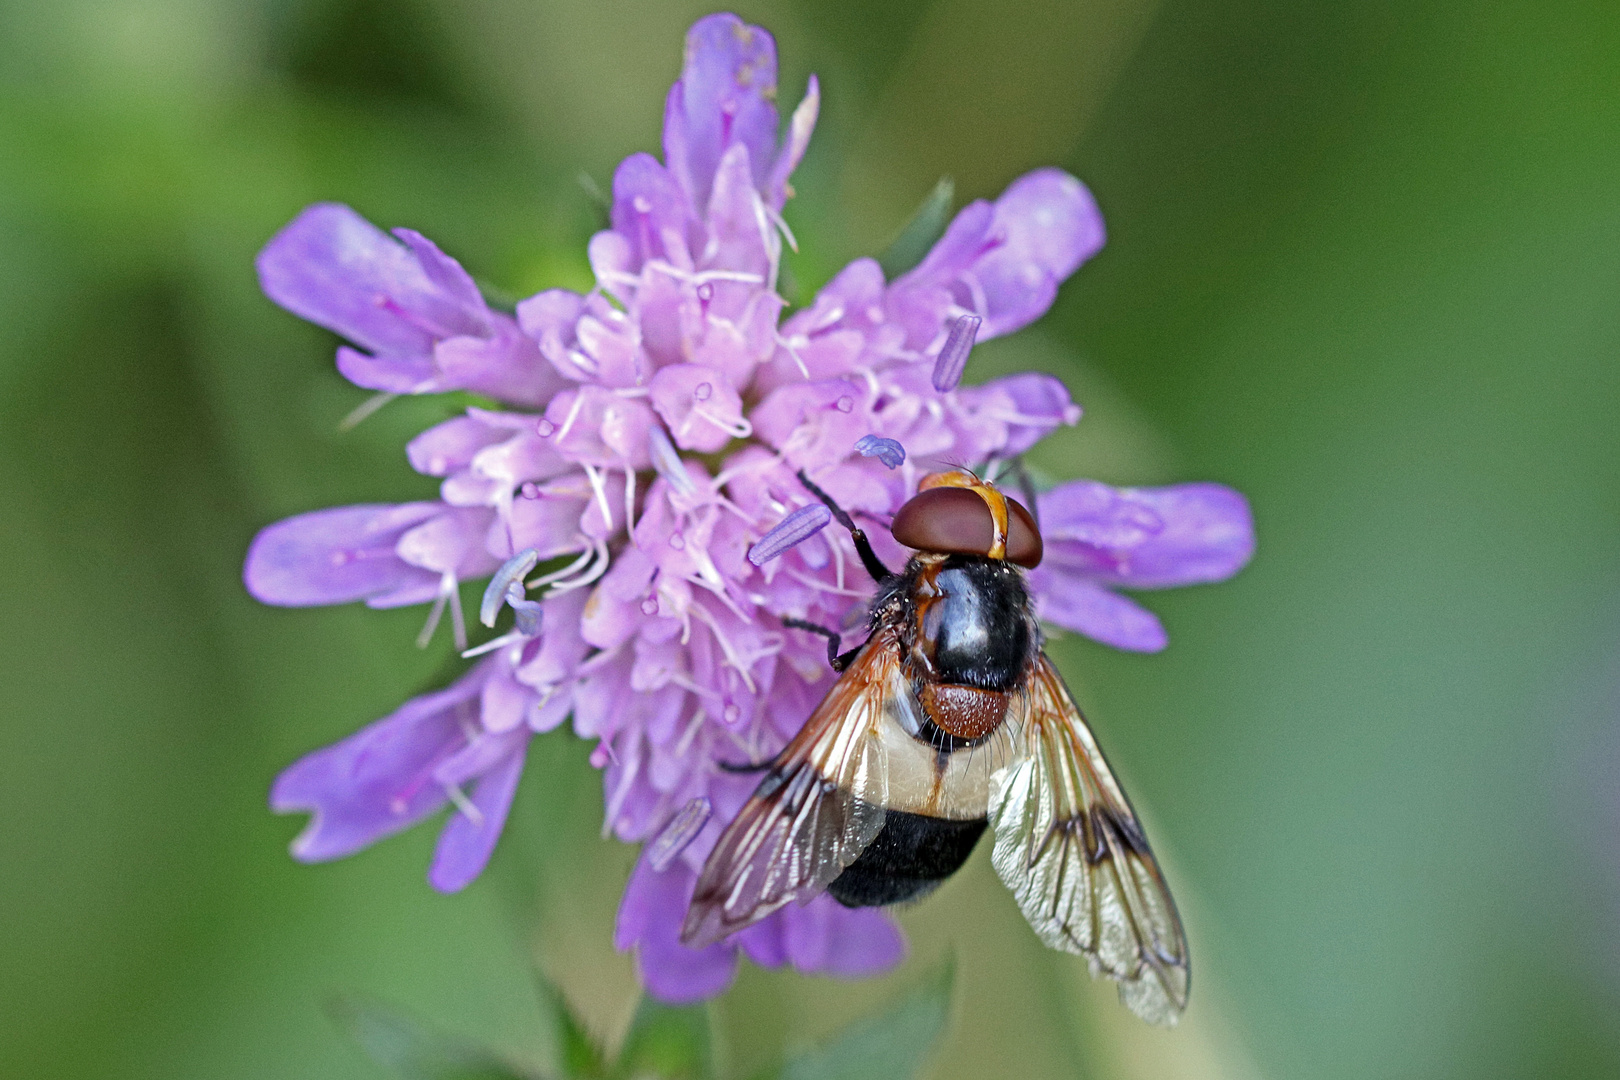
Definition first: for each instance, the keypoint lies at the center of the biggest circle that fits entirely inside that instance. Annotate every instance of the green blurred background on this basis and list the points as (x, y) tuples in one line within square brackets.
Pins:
[(1363, 264)]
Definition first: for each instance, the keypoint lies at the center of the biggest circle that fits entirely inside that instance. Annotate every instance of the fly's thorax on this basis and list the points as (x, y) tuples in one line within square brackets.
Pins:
[(966, 631), (971, 622)]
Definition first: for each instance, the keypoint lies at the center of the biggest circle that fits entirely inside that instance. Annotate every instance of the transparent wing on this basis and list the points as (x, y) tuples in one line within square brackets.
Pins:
[(813, 814), (1070, 848)]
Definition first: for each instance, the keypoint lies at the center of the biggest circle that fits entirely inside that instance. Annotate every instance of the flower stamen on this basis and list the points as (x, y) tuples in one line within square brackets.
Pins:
[(680, 832)]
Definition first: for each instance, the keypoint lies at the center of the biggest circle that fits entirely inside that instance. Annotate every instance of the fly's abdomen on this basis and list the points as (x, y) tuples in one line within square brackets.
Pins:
[(909, 859)]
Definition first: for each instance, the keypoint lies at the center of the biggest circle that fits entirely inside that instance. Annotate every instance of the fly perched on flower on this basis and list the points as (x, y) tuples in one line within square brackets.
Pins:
[(948, 719), (638, 470)]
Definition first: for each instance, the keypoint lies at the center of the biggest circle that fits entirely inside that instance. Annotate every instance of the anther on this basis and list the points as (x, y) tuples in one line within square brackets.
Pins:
[(953, 355), (680, 832), (794, 529), (506, 587), (888, 451)]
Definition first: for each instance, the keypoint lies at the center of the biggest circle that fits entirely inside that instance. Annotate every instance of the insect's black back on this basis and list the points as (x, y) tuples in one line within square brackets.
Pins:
[(963, 621), (977, 633)]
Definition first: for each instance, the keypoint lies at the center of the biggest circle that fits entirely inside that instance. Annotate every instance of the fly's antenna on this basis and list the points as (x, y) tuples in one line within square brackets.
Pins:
[(863, 546)]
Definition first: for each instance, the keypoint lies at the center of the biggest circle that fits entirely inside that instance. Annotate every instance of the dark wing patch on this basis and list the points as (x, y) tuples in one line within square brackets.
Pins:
[(813, 814), (1071, 850)]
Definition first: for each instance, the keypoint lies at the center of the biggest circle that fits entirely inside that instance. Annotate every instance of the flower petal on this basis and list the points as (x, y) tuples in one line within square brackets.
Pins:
[(450, 447), (1208, 535), (1148, 538), (451, 542), (1031, 404), (1048, 224), (447, 275), (333, 267), (1085, 607), (1002, 261), (467, 842), (506, 366), (800, 127), (337, 556), (378, 780), (700, 408), (829, 939), (650, 918), (651, 211), (724, 97)]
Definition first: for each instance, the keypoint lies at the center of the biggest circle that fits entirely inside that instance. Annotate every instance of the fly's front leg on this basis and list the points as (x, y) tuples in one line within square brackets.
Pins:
[(1026, 488), (869, 559), (839, 661)]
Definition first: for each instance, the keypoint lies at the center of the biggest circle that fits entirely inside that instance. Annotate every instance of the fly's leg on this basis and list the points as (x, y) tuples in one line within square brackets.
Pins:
[(839, 661), (1026, 488), (744, 767), (869, 559)]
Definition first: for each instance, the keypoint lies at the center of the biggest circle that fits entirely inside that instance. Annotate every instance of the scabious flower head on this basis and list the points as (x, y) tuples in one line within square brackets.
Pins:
[(647, 448)]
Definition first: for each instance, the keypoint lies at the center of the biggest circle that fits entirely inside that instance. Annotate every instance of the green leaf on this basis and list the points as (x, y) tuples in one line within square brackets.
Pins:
[(415, 1053), (670, 1043), (926, 226), (887, 1047), (578, 1056)]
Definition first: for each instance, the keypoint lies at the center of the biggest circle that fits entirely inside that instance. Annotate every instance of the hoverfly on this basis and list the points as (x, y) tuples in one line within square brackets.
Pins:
[(948, 720)]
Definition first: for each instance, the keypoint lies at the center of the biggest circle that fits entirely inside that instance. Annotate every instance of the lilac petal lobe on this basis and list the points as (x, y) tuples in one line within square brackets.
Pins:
[(725, 97), (1051, 220), (469, 839), (649, 209), (963, 242), (888, 451), (1148, 538), (393, 374), (1078, 604), (797, 527), (649, 921), (334, 556), (377, 781), (800, 127), (330, 265), (445, 272), (864, 942), (1207, 536), (451, 446), (1046, 224), (1040, 403), (953, 355)]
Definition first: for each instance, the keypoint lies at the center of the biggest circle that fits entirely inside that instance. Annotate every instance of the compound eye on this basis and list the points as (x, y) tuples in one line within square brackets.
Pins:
[(956, 521), (1024, 545)]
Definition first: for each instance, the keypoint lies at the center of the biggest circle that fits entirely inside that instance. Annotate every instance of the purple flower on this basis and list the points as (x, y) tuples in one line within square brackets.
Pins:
[(637, 497)]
